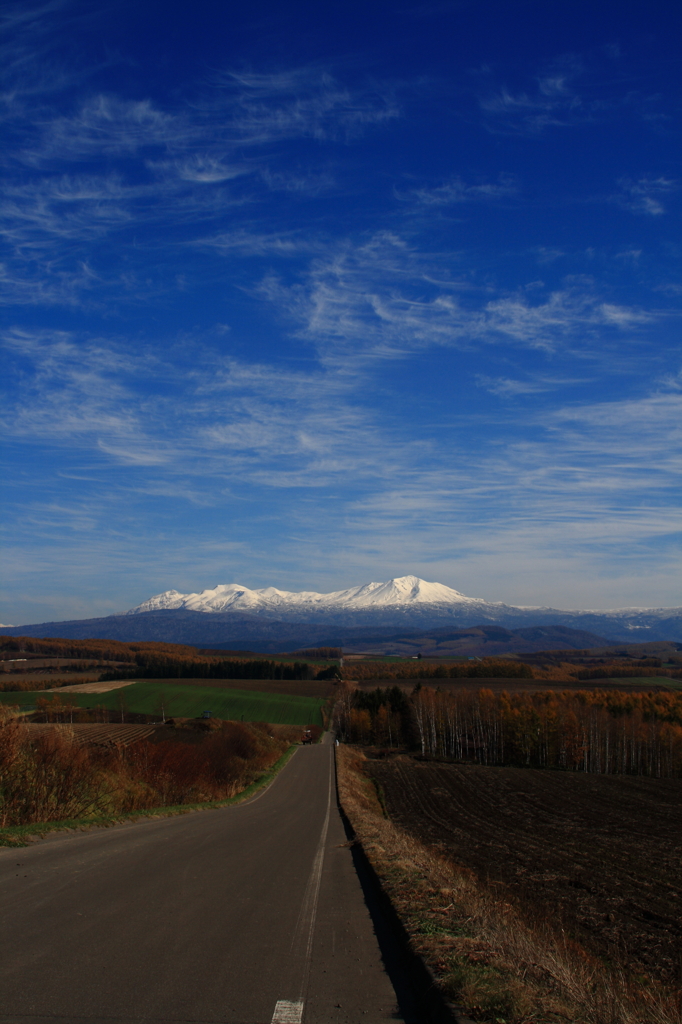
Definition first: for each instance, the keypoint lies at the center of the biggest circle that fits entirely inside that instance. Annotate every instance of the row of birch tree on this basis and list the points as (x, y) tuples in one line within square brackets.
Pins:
[(609, 732)]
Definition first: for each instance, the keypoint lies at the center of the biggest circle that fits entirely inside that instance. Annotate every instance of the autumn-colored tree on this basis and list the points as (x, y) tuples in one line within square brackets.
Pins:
[(592, 731)]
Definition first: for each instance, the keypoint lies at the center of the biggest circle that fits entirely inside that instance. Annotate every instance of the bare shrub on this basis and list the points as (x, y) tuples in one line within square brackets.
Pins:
[(46, 778), (51, 777), (219, 766)]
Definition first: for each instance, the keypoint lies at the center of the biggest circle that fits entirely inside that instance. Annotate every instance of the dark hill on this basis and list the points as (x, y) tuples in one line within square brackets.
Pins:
[(219, 632), (480, 641), (497, 629)]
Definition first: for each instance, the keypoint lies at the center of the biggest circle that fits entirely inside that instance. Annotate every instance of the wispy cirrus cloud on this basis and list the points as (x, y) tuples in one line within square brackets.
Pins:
[(206, 169), (29, 71), (383, 299), (55, 210), (112, 167), (65, 213), (645, 195), (652, 420), (263, 421), (254, 242), (108, 126), (307, 429), (302, 102), (29, 16), (458, 191), (203, 139), (51, 285), (551, 99), (559, 477), (75, 390), (563, 314), (510, 387), (571, 90), (673, 381)]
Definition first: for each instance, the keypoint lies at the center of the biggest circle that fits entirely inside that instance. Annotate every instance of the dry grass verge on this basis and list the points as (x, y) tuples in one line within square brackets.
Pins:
[(498, 966)]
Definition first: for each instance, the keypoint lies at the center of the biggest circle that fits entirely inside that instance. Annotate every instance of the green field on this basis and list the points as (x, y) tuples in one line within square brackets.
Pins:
[(190, 702), (673, 684)]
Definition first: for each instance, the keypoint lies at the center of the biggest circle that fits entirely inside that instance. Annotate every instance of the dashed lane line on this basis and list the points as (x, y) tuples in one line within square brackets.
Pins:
[(291, 1011), (287, 1012)]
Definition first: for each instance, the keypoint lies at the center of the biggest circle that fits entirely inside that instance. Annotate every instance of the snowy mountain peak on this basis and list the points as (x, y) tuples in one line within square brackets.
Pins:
[(404, 591)]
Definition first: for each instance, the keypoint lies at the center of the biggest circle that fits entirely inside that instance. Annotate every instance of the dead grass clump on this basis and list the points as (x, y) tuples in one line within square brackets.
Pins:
[(498, 966), (488, 993), (46, 777)]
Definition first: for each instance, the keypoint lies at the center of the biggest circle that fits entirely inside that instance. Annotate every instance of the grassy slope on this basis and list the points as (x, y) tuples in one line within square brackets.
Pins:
[(191, 701), (672, 684), (321, 688)]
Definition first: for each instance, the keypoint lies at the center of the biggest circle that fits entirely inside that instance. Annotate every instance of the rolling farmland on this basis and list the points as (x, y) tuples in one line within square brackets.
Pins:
[(177, 701)]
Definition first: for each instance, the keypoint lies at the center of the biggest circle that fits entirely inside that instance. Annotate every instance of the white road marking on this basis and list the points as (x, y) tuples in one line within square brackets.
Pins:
[(288, 1013), (306, 918)]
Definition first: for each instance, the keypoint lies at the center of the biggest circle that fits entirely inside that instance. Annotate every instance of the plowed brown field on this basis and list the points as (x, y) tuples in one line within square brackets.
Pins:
[(601, 855), (98, 735)]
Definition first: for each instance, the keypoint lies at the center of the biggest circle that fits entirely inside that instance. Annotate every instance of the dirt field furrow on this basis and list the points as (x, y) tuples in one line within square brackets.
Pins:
[(98, 734), (600, 855)]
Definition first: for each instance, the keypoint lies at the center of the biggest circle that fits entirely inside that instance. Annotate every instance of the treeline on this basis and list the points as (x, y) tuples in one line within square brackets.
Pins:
[(628, 671), (612, 732), (165, 661), (500, 668), (608, 732), (488, 668), (152, 665), (10, 683), (103, 650), (51, 777), (323, 653), (382, 717)]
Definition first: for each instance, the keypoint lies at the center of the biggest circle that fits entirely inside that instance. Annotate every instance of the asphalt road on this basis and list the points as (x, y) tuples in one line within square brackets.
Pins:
[(253, 914)]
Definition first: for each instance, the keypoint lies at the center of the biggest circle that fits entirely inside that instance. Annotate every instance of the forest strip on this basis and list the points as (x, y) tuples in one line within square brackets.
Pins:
[(600, 732)]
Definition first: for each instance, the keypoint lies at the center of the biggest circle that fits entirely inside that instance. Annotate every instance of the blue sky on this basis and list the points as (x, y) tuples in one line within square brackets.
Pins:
[(311, 294)]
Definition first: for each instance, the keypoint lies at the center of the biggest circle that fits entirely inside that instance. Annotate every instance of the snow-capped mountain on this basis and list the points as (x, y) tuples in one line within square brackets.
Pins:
[(407, 603), (272, 619), (405, 591)]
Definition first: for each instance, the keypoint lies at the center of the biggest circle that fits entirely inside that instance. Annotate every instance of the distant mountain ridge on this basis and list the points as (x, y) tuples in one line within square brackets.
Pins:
[(403, 591), (269, 619)]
